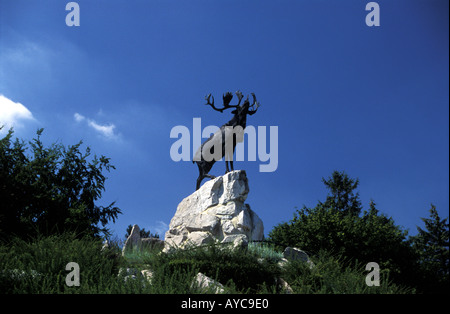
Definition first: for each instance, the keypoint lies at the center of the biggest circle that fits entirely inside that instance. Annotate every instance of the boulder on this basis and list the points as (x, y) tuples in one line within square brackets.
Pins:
[(133, 273), (133, 241), (206, 284), (295, 254), (148, 274), (128, 273), (284, 286), (152, 243), (216, 212), (238, 240), (292, 253)]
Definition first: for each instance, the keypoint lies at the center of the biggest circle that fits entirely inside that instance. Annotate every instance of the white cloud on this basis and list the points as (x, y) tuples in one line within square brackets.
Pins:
[(106, 130), (78, 117), (13, 114)]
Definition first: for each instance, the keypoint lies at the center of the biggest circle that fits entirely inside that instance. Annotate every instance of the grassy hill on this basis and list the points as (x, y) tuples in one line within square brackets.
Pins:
[(39, 266)]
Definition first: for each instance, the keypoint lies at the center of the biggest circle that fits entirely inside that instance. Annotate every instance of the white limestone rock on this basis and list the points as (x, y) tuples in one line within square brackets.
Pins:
[(215, 212), (133, 240), (206, 284)]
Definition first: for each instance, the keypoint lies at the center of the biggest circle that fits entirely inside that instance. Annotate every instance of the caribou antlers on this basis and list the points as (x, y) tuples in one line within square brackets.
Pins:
[(226, 101), (250, 112)]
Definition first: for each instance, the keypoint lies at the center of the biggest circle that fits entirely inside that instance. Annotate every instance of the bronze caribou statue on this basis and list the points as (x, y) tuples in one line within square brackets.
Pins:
[(226, 137)]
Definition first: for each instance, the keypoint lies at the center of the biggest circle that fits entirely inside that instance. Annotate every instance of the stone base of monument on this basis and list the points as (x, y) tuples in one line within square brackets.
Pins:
[(215, 213)]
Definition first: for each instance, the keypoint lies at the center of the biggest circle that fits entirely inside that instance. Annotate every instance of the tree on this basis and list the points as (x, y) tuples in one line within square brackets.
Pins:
[(51, 189), (336, 227), (342, 197), (432, 247), (143, 233)]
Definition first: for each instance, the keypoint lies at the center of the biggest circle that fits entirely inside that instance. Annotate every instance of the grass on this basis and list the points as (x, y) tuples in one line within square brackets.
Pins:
[(265, 250), (39, 266)]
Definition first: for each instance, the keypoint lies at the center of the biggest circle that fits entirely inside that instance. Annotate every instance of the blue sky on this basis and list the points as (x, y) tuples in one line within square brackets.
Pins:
[(370, 101)]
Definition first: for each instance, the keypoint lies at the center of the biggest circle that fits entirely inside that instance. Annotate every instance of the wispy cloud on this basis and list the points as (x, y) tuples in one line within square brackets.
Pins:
[(13, 114), (78, 117), (106, 130), (24, 58), (160, 228)]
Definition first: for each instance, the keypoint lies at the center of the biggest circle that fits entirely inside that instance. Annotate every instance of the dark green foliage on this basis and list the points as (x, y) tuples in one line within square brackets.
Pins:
[(372, 237), (342, 197), (53, 189), (333, 275), (432, 248), (337, 227), (243, 268), (39, 266)]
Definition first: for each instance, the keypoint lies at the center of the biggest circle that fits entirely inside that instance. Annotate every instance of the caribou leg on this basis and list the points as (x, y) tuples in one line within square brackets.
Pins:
[(202, 174), (199, 180)]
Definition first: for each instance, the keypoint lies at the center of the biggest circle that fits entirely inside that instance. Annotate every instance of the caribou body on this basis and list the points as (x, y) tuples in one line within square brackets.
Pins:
[(223, 142)]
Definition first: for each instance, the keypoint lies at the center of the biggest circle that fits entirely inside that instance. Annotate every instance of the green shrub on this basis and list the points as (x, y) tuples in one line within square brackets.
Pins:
[(53, 189), (338, 225), (331, 275), (42, 265), (242, 269)]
